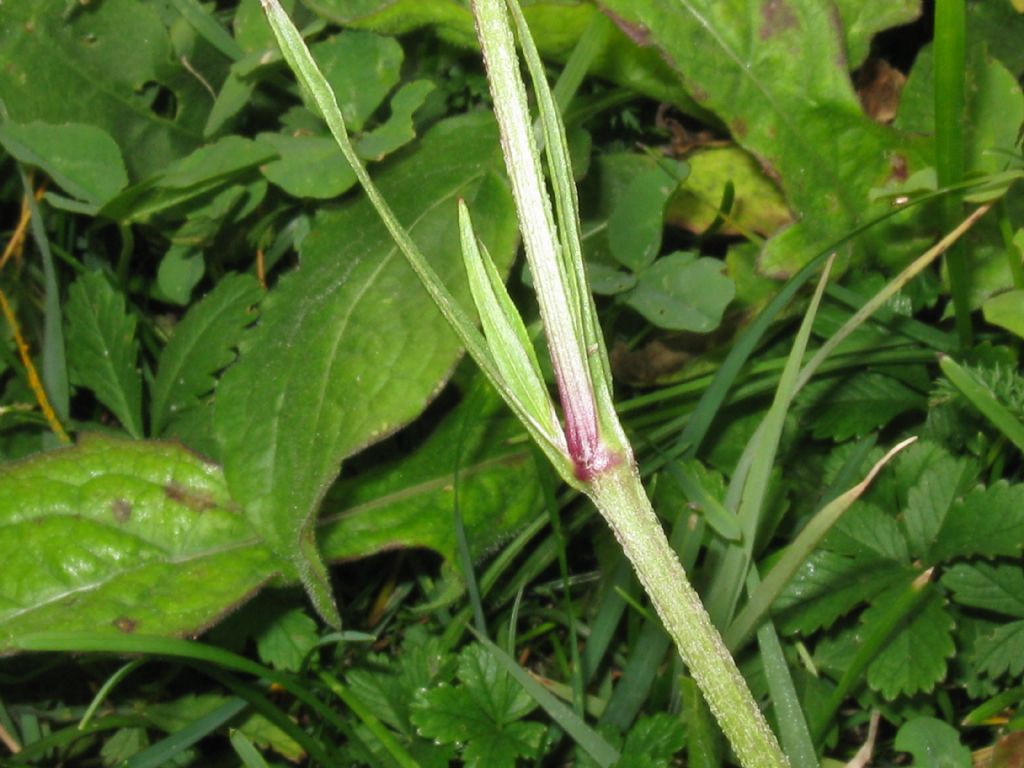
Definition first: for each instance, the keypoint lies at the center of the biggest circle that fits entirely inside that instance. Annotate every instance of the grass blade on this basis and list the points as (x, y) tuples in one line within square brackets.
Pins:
[(166, 750), (793, 730), (55, 364), (808, 539), (890, 289), (247, 753), (373, 725), (104, 642), (509, 344), (977, 395), (105, 689), (209, 28), (730, 577), (950, 82)]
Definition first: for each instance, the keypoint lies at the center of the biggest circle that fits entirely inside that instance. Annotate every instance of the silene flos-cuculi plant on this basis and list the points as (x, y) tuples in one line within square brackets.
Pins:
[(588, 447), (587, 444)]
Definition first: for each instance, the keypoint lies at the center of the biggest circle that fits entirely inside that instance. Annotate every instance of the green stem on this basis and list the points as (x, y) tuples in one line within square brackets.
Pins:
[(950, 68), (619, 495)]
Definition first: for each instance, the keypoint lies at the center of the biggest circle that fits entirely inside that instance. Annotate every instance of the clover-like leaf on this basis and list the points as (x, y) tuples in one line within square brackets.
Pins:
[(681, 292), (636, 224), (398, 130), (286, 641), (309, 166)]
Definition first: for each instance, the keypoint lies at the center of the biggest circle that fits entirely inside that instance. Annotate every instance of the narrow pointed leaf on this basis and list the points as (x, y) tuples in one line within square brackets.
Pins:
[(557, 292), (760, 452), (509, 343), (567, 209)]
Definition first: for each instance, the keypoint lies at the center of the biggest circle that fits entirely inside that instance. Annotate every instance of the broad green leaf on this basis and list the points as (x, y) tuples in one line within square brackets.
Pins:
[(994, 108), (998, 588), (103, 65), (681, 292), (180, 271), (484, 713), (867, 531), (202, 345), (208, 28), (82, 159), (556, 26), (289, 638), (308, 166), (398, 130), (350, 347), (933, 743), (987, 522), (214, 162), (914, 659), (122, 536), (362, 68), (1001, 26), (207, 218), (775, 74), (234, 95), (124, 743), (608, 281), (408, 502), (102, 349), (892, 489), (251, 29), (653, 741), (201, 172), (635, 226), (1006, 310), (863, 19), (758, 205)]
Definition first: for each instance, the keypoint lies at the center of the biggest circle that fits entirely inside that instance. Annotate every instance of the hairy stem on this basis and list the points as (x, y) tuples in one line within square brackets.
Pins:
[(619, 494)]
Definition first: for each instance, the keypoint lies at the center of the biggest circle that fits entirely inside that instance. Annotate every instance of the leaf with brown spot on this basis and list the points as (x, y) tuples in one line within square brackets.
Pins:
[(93, 542), (122, 510), (775, 72)]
